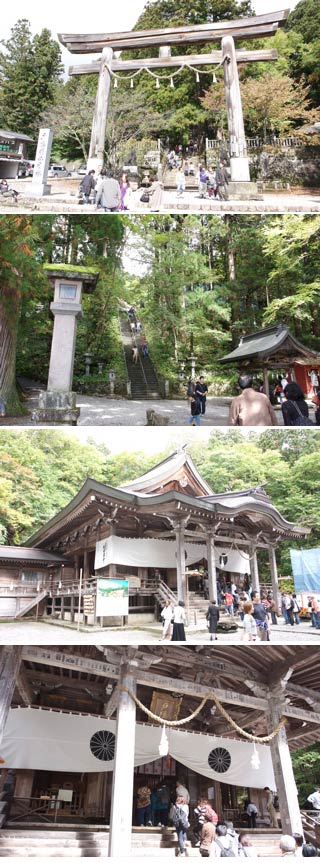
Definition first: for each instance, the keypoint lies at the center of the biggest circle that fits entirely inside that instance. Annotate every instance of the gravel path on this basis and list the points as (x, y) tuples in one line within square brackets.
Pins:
[(30, 632)]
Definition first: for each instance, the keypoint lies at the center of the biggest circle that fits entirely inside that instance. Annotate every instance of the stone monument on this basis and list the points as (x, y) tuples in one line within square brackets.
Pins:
[(58, 403), (39, 186)]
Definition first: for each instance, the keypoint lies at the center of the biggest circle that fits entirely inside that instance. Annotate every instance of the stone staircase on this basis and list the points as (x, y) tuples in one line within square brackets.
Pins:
[(142, 376), (89, 841)]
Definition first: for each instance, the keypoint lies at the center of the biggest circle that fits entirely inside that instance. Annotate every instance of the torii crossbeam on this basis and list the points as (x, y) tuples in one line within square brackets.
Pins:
[(226, 32)]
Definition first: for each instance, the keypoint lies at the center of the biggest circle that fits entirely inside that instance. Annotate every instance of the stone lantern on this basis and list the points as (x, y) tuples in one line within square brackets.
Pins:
[(58, 403)]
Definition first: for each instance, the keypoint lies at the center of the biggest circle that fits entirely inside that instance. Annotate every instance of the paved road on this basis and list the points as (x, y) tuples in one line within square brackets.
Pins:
[(30, 632), (124, 412), (64, 199)]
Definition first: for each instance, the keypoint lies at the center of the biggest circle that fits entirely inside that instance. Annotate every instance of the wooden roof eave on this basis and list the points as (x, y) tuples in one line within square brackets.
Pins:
[(169, 503)]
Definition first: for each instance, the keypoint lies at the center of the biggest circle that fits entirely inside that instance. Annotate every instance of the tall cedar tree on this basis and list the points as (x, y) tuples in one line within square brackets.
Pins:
[(30, 68)]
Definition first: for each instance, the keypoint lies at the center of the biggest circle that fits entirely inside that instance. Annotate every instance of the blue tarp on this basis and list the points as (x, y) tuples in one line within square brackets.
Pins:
[(306, 569)]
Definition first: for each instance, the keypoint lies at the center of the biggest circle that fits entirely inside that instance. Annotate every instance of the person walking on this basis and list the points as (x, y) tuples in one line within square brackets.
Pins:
[(212, 617), (108, 194), (195, 407), (249, 632), (87, 185), (201, 390), (135, 354), (261, 619), (222, 182), (200, 813), (251, 408), (296, 609), (155, 195), (208, 833), (295, 410), (270, 807), (228, 598), (166, 615), (203, 182), (180, 182), (126, 193), (180, 820), (179, 621)]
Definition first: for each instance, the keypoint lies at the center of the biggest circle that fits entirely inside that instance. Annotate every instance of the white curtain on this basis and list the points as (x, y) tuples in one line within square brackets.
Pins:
[(45, 740), (161, 554)]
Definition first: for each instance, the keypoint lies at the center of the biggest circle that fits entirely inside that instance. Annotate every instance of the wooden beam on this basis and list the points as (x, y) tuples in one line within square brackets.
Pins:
[(111, 706), (80, 663), (93, 46), (243, 56), (304, 715), (185, 33), (23, 687), (310, 695)]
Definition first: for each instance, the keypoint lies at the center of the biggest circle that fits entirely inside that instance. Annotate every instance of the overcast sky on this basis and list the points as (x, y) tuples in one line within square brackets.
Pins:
[(75, 17)]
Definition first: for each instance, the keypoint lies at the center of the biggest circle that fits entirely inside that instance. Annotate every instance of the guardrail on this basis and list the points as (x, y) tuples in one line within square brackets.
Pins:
[(257, 143)]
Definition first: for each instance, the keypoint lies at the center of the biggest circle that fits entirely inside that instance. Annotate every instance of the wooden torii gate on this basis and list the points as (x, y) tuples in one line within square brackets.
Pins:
[(228, 32)]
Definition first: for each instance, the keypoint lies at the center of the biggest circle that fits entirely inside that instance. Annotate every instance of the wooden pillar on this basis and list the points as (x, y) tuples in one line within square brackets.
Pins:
[(239, 158), (212, 571), (62, 608), (254, 569), (274, 576), (98, 134), (72, 607), (10, 658), (181, 562), (123, 774), (282, 766), (266, 386), (112, 566), (85, 567), (24, 783)]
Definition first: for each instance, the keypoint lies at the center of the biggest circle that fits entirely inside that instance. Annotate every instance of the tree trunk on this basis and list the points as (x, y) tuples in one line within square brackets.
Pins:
[(9, 319)]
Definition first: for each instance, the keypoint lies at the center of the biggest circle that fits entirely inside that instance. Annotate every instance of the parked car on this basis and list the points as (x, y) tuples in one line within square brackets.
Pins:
[(56, 171)]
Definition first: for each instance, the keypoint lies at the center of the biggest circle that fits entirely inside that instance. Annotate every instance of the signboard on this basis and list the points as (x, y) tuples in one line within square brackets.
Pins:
[(41, 165), (112, 597), (89, 603)]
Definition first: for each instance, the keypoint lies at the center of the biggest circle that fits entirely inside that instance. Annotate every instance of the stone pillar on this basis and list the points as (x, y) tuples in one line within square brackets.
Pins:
[(282, 765), (274, 576), (98, 134), (123, 774), (10, 658), (212, 572), (63, 346), (181, 562), (39, 186), (254, 569), (239, 158)]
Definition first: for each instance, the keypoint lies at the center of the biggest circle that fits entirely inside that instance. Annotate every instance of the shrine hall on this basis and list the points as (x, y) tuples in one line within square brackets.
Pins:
[(82, 728), (115, 553)]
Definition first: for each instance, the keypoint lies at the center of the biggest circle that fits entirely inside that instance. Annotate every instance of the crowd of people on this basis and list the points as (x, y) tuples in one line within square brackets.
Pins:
[(254, 613), (202, 827), (254, 408)]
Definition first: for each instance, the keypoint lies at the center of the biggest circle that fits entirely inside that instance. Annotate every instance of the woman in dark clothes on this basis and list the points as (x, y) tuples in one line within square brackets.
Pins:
[(294, 408), (213, 619), (179, 620)]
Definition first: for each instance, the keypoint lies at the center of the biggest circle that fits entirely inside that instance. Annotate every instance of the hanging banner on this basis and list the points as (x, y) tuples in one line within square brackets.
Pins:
[(45, 740), (112, 597), (306, 569), (162, 554)]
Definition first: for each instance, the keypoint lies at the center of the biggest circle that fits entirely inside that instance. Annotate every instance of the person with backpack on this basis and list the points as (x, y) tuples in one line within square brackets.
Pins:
[(223, 842), (295, 410), (180, 818), (200, 813)]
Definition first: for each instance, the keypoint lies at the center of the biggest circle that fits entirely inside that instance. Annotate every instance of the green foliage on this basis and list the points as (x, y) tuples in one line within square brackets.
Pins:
[(306, 766), (30, 69)]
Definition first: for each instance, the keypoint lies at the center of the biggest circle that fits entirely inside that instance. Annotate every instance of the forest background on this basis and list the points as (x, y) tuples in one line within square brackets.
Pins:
[(198, 284), (282, 97)]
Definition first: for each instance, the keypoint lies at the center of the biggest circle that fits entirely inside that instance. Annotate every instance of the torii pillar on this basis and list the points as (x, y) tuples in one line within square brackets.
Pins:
[(98, 134), (239, 160)]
